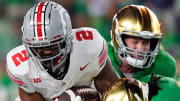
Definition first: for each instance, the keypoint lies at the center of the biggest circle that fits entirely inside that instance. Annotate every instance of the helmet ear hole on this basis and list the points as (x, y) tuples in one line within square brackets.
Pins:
[(123, 39), (63, 45), (153, 44)]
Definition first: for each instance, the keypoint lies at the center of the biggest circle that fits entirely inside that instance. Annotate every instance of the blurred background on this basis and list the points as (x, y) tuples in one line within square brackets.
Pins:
[(89, 13)]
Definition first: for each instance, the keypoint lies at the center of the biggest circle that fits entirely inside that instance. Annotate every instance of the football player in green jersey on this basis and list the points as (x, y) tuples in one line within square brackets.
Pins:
[(135, 46)]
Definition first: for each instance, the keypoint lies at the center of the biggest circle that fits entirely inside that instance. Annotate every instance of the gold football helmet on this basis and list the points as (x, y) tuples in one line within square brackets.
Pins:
[(126, 89), (136, 21)]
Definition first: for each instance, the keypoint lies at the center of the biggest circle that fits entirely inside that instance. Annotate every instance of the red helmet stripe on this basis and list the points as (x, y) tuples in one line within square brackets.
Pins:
[(39, 20)]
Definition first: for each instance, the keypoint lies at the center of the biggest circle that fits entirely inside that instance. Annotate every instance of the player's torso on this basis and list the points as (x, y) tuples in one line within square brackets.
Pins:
[(84, 65)]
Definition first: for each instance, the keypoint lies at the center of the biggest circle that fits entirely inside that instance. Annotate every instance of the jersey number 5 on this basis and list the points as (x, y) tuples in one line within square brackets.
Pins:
[(86, 35), (20, 57)]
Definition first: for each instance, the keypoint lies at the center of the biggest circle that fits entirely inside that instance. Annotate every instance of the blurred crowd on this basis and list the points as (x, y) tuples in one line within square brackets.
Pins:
[(84, 13)]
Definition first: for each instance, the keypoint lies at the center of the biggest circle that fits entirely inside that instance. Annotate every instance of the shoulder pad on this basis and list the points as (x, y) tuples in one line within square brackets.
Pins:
[(17, 63), (166, 62), (90, 43)]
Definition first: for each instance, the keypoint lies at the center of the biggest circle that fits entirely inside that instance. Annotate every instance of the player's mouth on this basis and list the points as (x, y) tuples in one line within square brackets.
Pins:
[(139, 57)]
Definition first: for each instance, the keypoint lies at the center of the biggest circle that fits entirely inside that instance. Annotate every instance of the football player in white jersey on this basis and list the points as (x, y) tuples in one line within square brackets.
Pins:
[(55, 57)]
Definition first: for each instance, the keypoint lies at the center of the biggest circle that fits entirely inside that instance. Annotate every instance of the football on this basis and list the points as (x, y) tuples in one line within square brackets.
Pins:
[(80, 93)]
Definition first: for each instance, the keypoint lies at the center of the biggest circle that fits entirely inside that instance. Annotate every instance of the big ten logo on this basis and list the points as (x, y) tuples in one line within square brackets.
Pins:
[(35, 80)]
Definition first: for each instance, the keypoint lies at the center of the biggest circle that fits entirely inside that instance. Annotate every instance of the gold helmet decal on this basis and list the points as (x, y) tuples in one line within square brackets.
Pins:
[(126, 89)]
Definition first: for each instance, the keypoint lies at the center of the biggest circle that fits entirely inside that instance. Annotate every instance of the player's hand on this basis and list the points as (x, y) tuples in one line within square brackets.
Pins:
[(69, 95), (73, 96), (154, 85)]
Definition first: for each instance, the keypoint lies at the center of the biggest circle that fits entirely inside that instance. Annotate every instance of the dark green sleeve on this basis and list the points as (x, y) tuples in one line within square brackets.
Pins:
[(164, 64), (114, 58), (111, 55), (170, 90)]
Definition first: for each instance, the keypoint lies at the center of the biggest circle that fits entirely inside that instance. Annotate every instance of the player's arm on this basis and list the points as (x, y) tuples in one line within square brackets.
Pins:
[(17, 69), (29, 96), (105, 77)]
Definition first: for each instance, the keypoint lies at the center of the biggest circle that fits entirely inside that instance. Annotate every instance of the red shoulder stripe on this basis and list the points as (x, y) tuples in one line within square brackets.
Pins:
[(103, 54), (19, 82)]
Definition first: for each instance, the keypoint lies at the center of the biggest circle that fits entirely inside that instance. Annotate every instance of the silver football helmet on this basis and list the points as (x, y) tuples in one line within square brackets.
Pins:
[(47, 27)]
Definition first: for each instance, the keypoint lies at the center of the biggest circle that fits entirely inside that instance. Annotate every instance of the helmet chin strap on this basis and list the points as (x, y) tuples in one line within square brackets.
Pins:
[(134, 62), (59, 72), (60, 65)]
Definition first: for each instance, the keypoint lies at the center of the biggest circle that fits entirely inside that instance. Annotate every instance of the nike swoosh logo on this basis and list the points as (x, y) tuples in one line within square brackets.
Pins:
[(82, 68)]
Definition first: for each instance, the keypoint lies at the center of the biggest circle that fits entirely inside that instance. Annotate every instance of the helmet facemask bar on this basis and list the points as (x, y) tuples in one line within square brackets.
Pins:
[(140, 59), (58, 57)]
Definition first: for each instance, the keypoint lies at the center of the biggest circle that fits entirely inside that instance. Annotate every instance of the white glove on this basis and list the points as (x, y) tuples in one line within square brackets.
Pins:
[(73, 96)]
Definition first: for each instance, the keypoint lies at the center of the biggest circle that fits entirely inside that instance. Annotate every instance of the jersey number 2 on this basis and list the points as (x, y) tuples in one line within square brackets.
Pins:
[(86, 35), (20, 57)]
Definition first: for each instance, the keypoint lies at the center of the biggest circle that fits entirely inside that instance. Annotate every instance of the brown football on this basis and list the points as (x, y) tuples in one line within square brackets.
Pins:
[(86, 93)]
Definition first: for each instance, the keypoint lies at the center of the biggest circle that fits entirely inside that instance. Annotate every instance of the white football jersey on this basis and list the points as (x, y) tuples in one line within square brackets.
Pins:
[(87, 58)]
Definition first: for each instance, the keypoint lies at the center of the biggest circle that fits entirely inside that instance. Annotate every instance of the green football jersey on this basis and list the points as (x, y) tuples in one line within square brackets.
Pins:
[(164, 64), (170, 89)]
